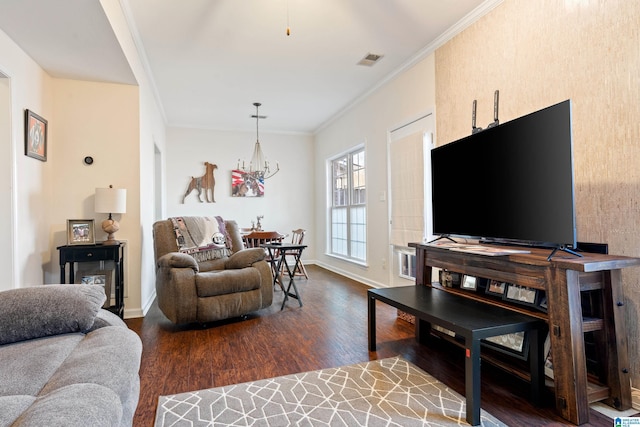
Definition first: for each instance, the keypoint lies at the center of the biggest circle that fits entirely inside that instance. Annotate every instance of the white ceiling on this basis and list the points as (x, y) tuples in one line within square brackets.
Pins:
[(210, 60)]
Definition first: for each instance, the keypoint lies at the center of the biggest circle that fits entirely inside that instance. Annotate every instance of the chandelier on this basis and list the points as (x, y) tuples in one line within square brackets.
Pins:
[(259, 165)]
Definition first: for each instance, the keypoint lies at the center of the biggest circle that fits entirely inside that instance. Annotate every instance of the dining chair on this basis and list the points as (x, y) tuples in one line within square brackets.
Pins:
[(256, 238), (297, 237)]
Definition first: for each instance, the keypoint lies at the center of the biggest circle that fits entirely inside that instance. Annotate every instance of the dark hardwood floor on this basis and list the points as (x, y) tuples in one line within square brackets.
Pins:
[(329, 330)]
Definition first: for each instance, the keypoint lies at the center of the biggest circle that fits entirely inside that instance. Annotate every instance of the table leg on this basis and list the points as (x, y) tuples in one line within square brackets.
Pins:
[(277, 277), (295, 295), (371, 313), (536, 365), (472, 380), (71, 270)]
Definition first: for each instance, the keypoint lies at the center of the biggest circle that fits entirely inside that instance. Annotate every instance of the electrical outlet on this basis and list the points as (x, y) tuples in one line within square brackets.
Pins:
[(384, 264)]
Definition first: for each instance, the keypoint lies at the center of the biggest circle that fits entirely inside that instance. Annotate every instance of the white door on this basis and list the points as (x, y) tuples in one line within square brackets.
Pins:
[(409, 190)]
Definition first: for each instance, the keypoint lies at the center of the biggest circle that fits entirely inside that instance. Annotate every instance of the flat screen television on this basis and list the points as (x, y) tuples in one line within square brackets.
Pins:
[(512, 183)]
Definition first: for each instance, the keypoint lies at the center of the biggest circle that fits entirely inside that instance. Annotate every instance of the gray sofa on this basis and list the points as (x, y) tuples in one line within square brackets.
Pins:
[(235, 283), (64, 361)]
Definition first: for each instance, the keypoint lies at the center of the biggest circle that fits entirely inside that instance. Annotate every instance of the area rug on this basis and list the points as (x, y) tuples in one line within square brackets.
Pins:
[(387, 392)]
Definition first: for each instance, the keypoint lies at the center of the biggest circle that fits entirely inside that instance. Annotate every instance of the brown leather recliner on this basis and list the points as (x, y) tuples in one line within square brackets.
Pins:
[(192, 291)]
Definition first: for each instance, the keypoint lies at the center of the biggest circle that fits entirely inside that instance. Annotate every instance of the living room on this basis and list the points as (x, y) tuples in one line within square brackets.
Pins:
[(535, 53)]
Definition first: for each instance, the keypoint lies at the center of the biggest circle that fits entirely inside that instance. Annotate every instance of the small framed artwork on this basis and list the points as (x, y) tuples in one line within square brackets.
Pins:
[(100, 277), (515, 344), (496, 287), (469, 283), (80, 232), (35, 136), (450, 279), (521, 295)]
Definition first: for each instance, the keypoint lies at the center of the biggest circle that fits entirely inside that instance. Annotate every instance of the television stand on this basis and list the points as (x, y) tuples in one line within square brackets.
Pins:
[(563, 249), (564, 280)]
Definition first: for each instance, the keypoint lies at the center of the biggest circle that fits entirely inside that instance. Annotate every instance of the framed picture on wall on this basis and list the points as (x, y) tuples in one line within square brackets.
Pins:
[(35, 136)]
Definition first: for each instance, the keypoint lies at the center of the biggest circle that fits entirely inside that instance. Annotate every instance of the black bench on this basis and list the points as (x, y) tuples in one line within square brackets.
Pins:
[(469, 319)]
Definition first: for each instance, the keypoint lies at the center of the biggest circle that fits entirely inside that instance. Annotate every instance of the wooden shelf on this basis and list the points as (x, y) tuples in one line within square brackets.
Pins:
[(493, 301)]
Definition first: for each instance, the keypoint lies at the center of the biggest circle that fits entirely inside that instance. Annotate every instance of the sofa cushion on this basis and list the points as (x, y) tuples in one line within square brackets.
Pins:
[(109, 357), (224, 282), (12, 407), (36, 359), (100, 407), (61, 309)]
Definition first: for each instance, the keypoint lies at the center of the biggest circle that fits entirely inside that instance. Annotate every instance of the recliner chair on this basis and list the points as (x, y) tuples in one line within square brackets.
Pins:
[(205, 291)]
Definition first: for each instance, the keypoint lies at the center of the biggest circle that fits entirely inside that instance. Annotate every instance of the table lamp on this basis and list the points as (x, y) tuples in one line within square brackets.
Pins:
[(111, 200)]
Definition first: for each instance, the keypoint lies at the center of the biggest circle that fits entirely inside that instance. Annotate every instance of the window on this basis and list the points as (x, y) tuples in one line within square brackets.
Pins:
[(407, 265), (348, 206)]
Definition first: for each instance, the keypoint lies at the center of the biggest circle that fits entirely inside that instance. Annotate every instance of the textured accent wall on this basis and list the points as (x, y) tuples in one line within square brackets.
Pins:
[(538, 53)]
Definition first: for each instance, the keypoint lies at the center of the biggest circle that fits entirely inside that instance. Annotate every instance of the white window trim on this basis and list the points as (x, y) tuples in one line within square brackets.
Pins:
[(329, 235)]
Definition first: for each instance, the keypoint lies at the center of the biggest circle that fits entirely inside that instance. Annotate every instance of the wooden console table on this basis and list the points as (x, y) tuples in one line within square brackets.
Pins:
[(564, 279)]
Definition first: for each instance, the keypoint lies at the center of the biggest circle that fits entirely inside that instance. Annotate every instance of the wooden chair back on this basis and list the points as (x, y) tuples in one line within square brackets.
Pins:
[(297, 236), (257, 238)]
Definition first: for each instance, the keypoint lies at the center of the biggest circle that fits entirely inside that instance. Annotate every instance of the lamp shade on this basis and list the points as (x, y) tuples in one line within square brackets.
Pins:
[(111, 200)]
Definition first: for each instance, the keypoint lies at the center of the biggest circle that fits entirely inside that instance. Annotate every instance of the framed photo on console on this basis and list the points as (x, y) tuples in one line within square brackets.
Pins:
[(496, 288), (449, 279), (515, 344), (521, 295), (469, 282)]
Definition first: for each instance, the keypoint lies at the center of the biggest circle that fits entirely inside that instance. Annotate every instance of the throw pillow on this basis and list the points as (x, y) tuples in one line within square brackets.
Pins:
[(46, 310)]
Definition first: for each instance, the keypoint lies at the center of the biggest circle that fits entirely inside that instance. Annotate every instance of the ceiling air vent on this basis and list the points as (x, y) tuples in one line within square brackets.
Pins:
[(370, 59)]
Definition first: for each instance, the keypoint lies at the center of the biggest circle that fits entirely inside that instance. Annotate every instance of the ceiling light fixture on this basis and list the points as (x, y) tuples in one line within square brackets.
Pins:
[(288, 27), (259, 165)]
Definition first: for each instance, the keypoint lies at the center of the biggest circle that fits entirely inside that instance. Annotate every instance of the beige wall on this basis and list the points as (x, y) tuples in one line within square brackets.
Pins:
[(288, 201), (400, 101), (108, 131), (538, 53)]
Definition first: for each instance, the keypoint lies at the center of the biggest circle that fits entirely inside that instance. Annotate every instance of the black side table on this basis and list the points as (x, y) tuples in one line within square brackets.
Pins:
[(278, 255), (97, 252)]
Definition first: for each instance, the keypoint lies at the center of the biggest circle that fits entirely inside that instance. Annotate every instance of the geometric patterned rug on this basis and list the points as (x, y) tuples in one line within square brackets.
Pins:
[(387, 392)]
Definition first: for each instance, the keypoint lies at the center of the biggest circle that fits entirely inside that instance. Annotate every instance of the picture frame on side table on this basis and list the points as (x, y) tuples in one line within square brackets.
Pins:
[(35, 136), (80, 232), (98, 277)]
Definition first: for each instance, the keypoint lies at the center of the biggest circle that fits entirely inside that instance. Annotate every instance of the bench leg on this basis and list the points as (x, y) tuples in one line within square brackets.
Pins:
[(371, 312), (472, 381), (536, 366)]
